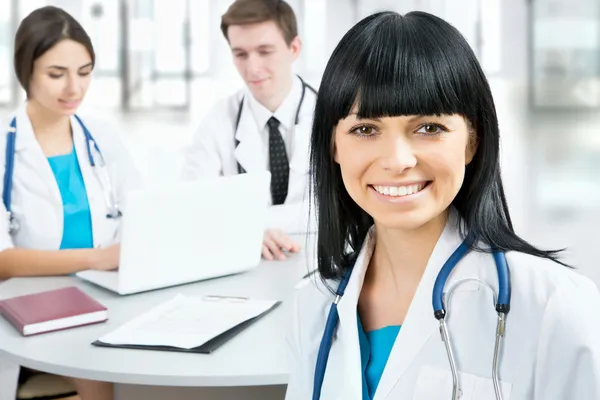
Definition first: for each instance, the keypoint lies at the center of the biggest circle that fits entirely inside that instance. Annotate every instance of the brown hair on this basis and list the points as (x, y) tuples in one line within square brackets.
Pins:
[(40, 31), (243, 12)]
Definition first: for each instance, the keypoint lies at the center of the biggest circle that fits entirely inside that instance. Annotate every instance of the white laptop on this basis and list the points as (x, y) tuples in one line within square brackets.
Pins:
[(188, 232)]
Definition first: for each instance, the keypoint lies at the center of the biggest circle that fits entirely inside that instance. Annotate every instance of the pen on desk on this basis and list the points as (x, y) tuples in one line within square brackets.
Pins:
[(305, 279), (233, 298), (311, 273)]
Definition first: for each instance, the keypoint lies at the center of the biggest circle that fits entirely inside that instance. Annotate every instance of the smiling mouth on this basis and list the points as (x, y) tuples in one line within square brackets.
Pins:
[(400, 191)]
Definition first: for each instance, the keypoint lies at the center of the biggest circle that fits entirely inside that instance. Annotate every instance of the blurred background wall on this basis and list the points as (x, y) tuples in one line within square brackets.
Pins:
[(161, 64)]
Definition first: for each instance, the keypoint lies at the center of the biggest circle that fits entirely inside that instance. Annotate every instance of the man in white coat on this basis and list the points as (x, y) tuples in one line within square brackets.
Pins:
[(267, 124)]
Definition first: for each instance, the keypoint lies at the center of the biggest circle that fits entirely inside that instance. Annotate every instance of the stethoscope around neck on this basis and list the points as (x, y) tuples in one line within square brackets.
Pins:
[(99, 167), (305, 86), (502, 306)]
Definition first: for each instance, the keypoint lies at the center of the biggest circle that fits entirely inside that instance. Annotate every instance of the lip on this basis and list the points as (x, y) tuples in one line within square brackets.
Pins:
[(408, 199), (69, 103), (398, 184), (258, 82)]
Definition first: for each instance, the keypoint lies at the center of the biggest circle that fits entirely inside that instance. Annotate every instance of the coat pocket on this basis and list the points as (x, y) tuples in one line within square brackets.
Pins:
[(436, 383)]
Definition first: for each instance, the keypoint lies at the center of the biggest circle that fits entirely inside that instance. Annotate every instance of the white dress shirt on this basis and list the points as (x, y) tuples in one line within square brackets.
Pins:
[(218, 147), (285, 114)]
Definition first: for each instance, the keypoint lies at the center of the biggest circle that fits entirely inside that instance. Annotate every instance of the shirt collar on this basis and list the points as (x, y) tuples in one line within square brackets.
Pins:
[(286, 113)]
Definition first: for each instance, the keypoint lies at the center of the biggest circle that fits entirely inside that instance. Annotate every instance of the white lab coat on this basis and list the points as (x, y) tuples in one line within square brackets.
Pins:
[(36, 199), (551, 349), (213, 153)]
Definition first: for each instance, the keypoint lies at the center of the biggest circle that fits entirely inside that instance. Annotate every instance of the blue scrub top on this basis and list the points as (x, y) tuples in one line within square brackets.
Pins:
[(77, 231), (375, 348)]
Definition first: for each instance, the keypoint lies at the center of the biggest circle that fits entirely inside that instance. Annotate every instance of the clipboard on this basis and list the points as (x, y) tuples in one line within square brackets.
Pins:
[(206, 348)]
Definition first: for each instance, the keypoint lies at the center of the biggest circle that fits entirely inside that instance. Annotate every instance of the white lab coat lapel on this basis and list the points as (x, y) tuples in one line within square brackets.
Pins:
[(249, 149), (301, 145), (299, 159), (420, 323), (90, 180), (32, 157), (348, 325)]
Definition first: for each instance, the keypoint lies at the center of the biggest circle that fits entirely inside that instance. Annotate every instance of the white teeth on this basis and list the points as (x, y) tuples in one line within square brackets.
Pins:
[(398, 191)]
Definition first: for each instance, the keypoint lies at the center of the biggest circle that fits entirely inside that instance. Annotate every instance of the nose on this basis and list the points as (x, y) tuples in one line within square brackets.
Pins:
[(73, 85), (254, 64), (397, 154)]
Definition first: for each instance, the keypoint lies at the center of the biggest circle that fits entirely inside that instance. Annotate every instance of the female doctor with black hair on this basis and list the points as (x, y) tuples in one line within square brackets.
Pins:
[(415, 240), (63, 176)]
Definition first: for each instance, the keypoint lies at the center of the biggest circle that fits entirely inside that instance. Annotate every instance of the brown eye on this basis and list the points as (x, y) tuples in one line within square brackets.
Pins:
[(432, 129), (364, 130)]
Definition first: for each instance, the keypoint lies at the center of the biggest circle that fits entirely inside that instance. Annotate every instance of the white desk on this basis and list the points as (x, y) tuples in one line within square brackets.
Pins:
[(257, 356)]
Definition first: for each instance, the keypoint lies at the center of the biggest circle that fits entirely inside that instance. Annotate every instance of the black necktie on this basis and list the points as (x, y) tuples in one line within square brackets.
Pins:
[(278, 161)]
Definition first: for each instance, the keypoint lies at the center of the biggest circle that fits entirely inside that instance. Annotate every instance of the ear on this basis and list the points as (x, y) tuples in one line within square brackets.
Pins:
[(334, 149), (296, 47)]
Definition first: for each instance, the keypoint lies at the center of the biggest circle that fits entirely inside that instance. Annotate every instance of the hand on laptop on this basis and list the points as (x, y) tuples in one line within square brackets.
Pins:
[(276, 243), (106, 258)]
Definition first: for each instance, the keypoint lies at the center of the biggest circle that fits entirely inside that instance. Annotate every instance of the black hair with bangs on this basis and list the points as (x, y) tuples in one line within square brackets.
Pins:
[(393, 65)]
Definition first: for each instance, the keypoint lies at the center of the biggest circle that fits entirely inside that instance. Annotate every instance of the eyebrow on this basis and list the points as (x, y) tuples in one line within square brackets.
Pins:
[(261, 47), (60, 67), (411, 119)]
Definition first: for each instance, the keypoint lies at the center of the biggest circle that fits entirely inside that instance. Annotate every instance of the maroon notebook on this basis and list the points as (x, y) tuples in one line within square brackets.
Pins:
[(52, 311)]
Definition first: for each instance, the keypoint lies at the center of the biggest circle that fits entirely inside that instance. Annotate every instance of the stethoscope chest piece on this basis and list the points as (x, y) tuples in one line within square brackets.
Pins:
[(13, 224)]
